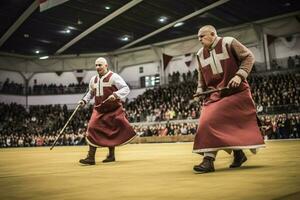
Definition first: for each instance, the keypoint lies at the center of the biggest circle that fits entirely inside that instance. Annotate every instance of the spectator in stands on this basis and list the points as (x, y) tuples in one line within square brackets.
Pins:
[(297, 61), (108, 126), (291, 62), (228, 121), (274, 64)]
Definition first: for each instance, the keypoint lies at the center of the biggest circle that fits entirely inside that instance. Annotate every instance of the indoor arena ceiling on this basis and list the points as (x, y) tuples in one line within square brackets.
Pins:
[(89, 26)]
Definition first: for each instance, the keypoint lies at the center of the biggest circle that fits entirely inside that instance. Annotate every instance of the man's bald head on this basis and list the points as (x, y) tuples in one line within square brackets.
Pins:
[(101, 66), (206, 35), (208, 28)]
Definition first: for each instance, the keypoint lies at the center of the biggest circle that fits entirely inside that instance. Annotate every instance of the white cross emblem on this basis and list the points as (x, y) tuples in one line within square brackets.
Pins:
[(214, 60)]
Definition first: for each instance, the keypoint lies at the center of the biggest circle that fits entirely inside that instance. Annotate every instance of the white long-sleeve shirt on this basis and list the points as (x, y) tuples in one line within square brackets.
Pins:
[(115, 79)]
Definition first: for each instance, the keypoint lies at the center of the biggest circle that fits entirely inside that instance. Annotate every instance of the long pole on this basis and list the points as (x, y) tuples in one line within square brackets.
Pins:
[(210, 91), (62, 130), (70, 118)]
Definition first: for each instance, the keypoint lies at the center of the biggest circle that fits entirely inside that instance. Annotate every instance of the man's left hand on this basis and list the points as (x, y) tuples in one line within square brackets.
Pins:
[(235, 82)]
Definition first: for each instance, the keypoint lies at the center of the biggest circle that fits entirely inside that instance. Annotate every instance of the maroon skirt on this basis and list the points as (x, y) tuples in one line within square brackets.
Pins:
[(227, 124), (109, 129)]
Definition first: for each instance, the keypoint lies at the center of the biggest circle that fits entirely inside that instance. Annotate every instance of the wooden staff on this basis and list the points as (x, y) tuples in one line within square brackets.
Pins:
[(62, 130), (210, 91), (70, 118)]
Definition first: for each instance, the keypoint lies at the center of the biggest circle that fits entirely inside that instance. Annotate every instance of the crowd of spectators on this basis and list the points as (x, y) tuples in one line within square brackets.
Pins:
[(40, 125), (276, 93), (291, 62), (169, 128), (164, 103), (10, 87), (272, 94), (43, 89), (282, 126)]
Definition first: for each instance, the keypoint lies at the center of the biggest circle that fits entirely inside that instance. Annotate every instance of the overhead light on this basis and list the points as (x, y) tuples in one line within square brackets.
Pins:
[(43, 41), (71, 28), (126, 38), (26, 35), (162, 19), (37, 51), (107, 7), (65, 31), (44, 57), (178, 24), (79, 21)]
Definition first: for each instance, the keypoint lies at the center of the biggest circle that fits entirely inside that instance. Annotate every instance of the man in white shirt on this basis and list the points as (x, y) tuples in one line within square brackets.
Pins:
[(108, 126)]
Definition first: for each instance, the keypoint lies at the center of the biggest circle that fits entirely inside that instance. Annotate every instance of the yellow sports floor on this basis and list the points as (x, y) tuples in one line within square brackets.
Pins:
[(149, 171)]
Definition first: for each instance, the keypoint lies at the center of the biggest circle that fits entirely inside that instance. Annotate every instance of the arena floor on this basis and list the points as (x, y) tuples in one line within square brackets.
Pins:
[(148, 171)]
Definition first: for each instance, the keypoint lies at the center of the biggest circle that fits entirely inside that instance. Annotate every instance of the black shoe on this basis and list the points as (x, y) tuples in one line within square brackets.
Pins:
[(90, 158), (239, 159), (87, 161), (109, 159), (206, 166)]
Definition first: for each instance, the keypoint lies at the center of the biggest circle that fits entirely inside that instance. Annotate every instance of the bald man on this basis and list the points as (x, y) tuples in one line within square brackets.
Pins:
[(108, 126), (228, 120)]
